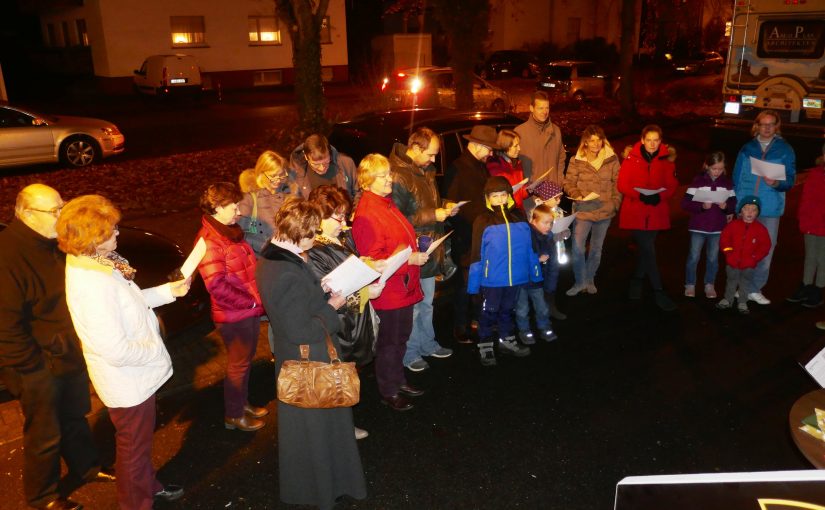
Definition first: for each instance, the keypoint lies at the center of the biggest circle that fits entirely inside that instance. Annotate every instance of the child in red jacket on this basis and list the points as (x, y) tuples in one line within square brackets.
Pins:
[(812, 224), (744, 242)]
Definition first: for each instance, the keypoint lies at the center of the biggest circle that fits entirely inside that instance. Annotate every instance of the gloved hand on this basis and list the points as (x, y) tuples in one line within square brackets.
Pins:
[(650, 199)]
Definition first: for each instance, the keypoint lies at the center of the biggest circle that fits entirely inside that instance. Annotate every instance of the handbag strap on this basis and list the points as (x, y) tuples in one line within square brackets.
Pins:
[(331, 352)]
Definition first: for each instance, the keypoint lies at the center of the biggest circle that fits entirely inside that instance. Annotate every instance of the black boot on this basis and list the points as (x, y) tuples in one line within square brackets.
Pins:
[(555, 313), (800, 294), (813, 297)]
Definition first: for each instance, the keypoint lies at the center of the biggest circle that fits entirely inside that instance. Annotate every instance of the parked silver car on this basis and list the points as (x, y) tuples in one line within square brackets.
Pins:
[(28, 137)]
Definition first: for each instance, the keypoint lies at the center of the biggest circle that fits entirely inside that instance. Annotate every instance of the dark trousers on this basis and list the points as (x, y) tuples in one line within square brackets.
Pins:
[(136, 481), (241, 341), (646, 263), (393, 332), (54, 411), (497, 309)]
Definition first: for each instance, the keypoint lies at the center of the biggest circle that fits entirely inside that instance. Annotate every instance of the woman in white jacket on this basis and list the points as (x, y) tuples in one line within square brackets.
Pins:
[(125, 355)]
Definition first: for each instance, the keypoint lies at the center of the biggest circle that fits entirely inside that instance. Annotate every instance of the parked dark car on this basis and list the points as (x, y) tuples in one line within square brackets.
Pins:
[(703, 62), (577, 80), (508, 64), (155, 259), (434, 87)]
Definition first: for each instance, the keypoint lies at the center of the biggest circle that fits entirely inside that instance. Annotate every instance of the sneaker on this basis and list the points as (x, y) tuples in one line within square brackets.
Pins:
[(170, 493), (635, 289), (758, 298), (576, 289), (813, 297), (361, 433), (418, 365), (486, 355), (590, 287), (710, 291), (548, 335), (723, 304), (742, 308), (527, 337), (799, 295), (510, 346), (442, 352), (663, 302), (690, 291)]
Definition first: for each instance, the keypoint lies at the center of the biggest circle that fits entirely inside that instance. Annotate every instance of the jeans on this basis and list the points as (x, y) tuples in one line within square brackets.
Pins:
[(646, 264), (711, 242), (241, 341), (525, 296), (422, 339), (497, 310), (763, 268), (584, 268)]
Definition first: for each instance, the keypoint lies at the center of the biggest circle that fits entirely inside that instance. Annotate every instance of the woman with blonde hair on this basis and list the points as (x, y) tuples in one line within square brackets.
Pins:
[(124, 352), (594, 169), (264, 189)]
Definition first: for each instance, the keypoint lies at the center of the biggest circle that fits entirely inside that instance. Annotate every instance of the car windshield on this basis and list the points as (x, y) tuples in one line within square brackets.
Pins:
[(558, 72)]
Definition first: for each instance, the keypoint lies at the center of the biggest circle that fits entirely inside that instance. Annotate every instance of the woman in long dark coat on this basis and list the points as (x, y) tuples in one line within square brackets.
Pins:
[(317, 455)]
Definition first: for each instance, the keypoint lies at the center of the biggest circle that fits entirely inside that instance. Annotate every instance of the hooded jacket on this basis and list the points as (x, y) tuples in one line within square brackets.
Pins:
[(340, 165), (744, 244), (637, 172), (746, 183), (583, 178), (257, 209)]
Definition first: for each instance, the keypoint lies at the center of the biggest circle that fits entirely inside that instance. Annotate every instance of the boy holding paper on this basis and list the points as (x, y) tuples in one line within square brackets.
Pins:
[(503, 261), (766, 146)]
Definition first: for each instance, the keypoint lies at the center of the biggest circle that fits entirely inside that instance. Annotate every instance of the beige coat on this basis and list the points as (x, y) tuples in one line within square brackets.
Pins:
[(541, 149), (583, 178)]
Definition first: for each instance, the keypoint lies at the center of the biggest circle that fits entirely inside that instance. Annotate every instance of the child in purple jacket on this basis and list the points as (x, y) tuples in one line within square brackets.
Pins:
[(707, 219)]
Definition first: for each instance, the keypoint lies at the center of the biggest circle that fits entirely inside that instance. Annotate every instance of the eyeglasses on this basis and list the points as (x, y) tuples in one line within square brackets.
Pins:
[(340, 218), (320, 164), (275, 178), (54, 211), (386, 176)]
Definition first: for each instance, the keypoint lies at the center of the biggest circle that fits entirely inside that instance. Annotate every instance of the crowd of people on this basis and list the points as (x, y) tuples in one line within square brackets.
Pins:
[(71, 310)]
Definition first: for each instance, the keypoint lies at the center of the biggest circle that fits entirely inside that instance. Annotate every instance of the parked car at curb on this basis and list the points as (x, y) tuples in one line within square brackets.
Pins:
[(576, 80), (28, 137), (703, 62), (167, 75), (434, 87), (510, 64)]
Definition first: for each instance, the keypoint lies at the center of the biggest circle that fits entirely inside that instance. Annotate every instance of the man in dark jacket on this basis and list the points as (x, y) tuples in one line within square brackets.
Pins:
[(464, 181), (327, 165), (40, 358), (416, 195)]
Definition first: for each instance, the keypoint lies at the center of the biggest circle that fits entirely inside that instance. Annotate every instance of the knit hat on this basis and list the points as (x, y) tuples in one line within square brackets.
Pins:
[(750, 200), (497, 183)]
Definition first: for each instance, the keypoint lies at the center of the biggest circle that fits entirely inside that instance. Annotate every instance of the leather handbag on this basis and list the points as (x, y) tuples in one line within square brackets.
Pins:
[(316, 384)]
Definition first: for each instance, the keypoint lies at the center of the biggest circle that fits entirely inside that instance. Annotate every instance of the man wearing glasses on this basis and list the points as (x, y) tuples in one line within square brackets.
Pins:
[(316, 163), (40, 357), (767, 145)]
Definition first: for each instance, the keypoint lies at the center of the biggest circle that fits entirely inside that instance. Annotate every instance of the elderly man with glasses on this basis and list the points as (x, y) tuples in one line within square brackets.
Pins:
[(316, 163), (40, 358)]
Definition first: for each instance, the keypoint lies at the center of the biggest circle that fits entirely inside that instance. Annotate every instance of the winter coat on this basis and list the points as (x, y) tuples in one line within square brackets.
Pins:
[(355, 336), (744, 244), (299, 314), (542, 148), (746, 183), (125, 354), (543, 244), (812, 204), (637, 172), (502, 254), (583, 177), (340, 165), (465, 179), (379, 230), (257, 209), (713, 220), (228, 270), (415, 193), (512, 170)]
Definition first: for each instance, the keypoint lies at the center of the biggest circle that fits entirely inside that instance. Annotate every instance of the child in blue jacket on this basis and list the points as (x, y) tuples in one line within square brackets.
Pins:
[(503, 261)]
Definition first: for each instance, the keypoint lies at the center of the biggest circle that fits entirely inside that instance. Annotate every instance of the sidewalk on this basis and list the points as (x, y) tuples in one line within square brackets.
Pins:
[(198, 359)]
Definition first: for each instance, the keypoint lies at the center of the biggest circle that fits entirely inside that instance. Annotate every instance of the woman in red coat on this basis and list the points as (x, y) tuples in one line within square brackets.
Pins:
[(812, 225), (647, 180), (505, 162), (228, 270), (380, 230)]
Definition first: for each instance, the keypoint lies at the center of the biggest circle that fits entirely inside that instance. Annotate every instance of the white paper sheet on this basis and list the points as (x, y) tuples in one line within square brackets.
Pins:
[(438, 241), (194, 258), (517, 186), (775, 171), (394, 262), (590, 196), (816, 367), (350, 276), (562, 224), (705, 195), (644, 191)]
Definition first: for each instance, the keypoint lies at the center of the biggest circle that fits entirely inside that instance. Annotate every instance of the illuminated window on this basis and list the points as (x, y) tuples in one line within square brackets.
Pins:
[(326, 36), (727, 28), (264, 30), (188, 31), (82, 34)]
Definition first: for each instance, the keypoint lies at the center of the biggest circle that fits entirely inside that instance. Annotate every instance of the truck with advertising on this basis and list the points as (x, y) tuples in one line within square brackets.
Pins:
[(776, 60)]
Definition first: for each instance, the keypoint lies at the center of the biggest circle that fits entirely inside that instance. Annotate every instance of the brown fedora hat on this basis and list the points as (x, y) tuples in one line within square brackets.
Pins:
[(485, 135)]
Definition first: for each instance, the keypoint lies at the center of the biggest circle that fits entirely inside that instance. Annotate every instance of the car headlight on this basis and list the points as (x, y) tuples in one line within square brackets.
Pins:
[(110, 130)]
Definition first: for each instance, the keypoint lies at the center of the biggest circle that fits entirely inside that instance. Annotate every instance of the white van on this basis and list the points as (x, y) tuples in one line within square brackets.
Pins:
[(163, 75)]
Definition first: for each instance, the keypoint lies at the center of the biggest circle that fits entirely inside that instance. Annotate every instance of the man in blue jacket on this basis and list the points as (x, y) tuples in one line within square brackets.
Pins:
[(769, 146)]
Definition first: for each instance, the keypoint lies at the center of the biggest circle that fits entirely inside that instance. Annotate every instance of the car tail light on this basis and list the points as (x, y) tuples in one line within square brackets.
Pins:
[(384, 84), (415, 85)]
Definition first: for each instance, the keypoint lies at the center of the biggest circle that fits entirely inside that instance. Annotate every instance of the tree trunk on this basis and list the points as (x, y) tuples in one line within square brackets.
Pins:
[(629, 43)]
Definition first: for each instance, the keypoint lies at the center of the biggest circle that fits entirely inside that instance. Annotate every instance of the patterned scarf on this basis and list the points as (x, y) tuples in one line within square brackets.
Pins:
[(116, 261)]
